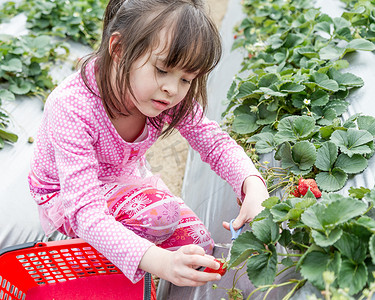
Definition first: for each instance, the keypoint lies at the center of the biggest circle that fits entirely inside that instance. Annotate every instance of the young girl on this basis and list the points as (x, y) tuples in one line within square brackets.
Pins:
[(89, 175)]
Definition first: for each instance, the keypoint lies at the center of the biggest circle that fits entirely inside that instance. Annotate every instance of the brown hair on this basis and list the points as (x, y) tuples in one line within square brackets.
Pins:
[(195, 45)]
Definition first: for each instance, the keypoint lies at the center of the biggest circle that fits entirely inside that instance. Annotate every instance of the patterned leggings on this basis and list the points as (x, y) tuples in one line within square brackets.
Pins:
[(157, 216)]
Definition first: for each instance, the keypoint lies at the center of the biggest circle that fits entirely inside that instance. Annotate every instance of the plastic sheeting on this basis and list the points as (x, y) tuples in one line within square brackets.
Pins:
[(19, 221), (214, 200)]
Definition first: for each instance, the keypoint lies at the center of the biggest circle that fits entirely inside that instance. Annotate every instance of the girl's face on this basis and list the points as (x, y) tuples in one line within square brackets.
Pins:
[(157, 88)]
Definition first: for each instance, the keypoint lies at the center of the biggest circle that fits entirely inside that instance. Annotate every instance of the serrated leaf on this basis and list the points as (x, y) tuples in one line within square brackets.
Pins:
[(366, 123), (351, 165), (331, 52), (243, 247), (285, 238), (264, 142), (358, 193), (268, 80), (313, 266), (291, 87), (331, 181), (261, 269), (326, 156), (13, 65), (346, 79), (304, 155), (294, 128), (270, 202), (322, 217), (351, 247), (353, 276), (266, 230), (287, 262), (246, 89), (328, 238), (245, 123), (319, 98), (352, 141), (360, 44), (280, 212), (367, 222), (6, 95)]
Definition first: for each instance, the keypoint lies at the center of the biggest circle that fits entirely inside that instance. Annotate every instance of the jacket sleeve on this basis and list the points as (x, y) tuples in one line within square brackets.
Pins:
[(72, 130), (219, 150)]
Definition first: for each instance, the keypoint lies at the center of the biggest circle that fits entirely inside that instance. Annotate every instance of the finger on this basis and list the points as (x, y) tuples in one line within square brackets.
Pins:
[(238, 222), (226, 225), (193, 249)]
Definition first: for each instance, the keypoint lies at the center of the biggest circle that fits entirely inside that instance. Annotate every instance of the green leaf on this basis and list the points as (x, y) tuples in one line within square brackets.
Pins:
[(351, 165), (311, 217), (5, 95), (360, 44), (13, 65), (294, 128), (326, 156), (319, 98), (326, 239), (20, 87), (280, 212), (243, 247), (372, 248), (245, 123), (270, 202), (291, 87), (366, 222), (261, 268), (331, 181), (366, 123), (304, 155), (345, 79), (313, 266), (352, 141), (264, 142), (331, 52), (358, 193), (351, 247), (322, 217), (353, 276), (266, 230), (246, 89), (268, 80)]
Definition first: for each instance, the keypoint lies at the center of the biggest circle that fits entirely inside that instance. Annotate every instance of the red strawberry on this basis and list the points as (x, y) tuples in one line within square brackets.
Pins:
[(296, 192), (305, 184), (222, 269)]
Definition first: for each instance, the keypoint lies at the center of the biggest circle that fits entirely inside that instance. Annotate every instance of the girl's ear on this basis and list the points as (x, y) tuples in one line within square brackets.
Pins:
[(114, 46)]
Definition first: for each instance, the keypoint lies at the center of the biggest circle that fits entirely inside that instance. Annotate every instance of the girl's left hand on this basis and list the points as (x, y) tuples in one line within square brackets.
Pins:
[(255, 193)]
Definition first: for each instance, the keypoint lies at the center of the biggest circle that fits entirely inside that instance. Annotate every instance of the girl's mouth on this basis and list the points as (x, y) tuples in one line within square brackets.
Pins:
[(160, 104)]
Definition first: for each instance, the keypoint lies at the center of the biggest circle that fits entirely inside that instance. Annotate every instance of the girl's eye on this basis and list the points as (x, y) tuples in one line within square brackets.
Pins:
[(160, 71), (186, 81)]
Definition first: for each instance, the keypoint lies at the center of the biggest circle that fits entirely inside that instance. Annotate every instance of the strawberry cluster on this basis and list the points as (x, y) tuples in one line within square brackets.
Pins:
[(304, 185)]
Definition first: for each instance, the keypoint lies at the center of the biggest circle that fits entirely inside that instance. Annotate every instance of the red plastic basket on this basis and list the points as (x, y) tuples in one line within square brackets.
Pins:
[(68, 269)]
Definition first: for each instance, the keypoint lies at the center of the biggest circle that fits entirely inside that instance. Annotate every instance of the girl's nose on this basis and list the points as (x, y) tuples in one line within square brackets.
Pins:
[(170, 87)]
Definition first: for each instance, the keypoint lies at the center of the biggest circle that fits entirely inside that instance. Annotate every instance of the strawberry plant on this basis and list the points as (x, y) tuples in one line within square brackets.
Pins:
[(76, 20), (289, 103), (292, 101), (317, 239)]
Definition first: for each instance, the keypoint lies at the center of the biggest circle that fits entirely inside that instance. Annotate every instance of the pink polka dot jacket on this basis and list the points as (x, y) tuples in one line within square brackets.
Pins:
[(78, 149)]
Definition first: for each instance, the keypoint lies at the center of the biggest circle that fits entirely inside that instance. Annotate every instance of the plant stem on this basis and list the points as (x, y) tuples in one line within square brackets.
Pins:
[(269, 286), (289, 254), (283, 270)]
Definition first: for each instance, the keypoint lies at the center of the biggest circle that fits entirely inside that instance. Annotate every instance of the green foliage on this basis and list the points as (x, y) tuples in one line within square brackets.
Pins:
[(26, 60), (293, 100), (336, 234)]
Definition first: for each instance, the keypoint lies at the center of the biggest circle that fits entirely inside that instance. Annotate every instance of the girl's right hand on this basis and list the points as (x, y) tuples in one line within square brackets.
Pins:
[(179, 267)]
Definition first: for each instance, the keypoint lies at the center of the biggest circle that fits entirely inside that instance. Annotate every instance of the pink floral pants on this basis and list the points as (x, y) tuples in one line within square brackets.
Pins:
[(157, 216)]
